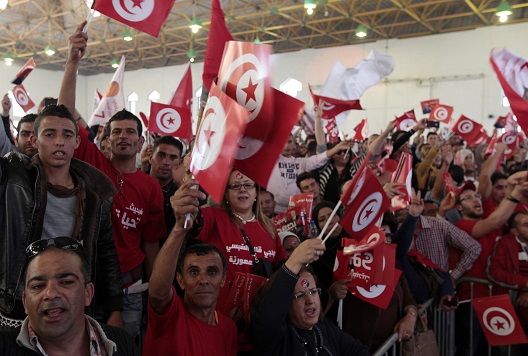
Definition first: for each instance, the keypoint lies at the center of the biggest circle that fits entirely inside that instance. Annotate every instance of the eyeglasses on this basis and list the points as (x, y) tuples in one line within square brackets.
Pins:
[(300, 295), (64, 243), (470, 197), (237, 186)]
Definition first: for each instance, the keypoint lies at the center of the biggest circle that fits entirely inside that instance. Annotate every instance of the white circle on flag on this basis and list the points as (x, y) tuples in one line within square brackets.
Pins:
[(441, 114), (501, 324), (21, 96), (168, 120), (509, 138), (211, 135), (134, 10), (371, 241), (327, 106), (375, 291), (364, 130), (406, 124), (250, 86), (357, 188), (367, 212), (247, 147), (465, 126)]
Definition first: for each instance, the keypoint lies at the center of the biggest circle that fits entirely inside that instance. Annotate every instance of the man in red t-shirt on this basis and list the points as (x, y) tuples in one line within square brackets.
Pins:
[(190, 326)]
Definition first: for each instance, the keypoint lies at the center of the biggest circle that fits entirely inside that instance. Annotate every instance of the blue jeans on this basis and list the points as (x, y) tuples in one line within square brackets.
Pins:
[(132, 312)]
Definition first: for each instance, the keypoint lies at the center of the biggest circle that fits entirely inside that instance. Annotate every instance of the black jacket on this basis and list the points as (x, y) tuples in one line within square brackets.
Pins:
[(23, 198)]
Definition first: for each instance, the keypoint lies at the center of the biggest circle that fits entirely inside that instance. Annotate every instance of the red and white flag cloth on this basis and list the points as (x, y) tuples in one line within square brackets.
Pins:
[(22, 98), (308, 121), (113, 99), (218, 36), (144, 118), (482, 138), (512, 72), (505, 121), (183, 96), (441, 113), (467, 129), (510, 138), (24, 72), (333, 107), (168, 120), (223, 124), (97, 99), (406, 121), (428, 105), (257, 158), (377, 295), (361, 131), (403, 174), (144, 15), (364, 202), (332, 130), (499, 320), (245, 76)]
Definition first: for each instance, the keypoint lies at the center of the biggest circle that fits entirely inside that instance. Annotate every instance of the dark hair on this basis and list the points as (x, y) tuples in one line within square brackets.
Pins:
[(317, 209), (24, 119), (200, 250), (305, 176), (168, 140), (429, 201), (126, 115), (395, 136), (262, 190), (85, 267), (58, 111), (457, 173), (511, 220), (312, 145), (431, 133), (497, 176)]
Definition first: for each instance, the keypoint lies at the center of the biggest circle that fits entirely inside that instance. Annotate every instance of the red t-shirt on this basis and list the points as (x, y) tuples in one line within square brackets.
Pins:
[(137, 211), (488, 207), (178, 332)]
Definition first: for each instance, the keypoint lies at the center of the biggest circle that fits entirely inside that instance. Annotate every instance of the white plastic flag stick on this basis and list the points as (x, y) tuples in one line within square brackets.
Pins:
[(188, 216), (346, 153), (340, 314), (89, 19), (330, 233), (338, 205)]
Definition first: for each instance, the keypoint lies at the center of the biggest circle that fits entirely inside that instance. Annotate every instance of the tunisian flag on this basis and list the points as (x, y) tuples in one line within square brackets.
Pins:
[(22, 98), (333, 107), (512, 71), (144, 15), (113, 100), (406, 121), (24, 71), (218, 36), (223, 124), (402, 174), (169, 120), (468, 129), (499, 321), (441, 113), (361, 131), (183, 96)]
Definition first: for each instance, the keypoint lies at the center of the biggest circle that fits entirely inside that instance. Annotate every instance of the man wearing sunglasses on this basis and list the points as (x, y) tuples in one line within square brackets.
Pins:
[(57, 290), (53, 194)]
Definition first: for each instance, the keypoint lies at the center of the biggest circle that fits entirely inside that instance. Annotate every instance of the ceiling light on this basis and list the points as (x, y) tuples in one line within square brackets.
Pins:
[(192, 54), (503, 11), (8, 58), (361, 31), (127, 35), (115, 63), (257, 40), (3, 4), (195, 24), (49, 50), (310, 5)]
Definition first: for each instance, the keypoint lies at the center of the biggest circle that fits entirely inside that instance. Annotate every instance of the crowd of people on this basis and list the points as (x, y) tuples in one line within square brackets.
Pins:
[(102, 255)]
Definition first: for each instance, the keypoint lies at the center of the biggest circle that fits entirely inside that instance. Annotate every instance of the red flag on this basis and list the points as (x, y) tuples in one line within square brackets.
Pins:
[(428, 105), (406, 121), (144, 118), (256, 158), (22, 98), (448, 181), (510, 139), (333, 107), (441, 113), (144, 15), (169, 120), (499, 321), (24, 72), (289, 220), (223, 124), (481, 138), (245, 76), (183, 95), (504, 121), (467, 129), (512, 72), (365, 201), (218, 36), (332, 130), (361, 131), (378, 295), (403, 174)]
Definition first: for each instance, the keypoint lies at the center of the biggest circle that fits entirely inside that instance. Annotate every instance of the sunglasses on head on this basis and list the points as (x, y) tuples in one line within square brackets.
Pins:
[(64, 243)]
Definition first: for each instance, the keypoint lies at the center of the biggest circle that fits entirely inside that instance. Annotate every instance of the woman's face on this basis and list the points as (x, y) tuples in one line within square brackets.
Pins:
[(305, 309), (469, 163), (323, 216), (241, 200)]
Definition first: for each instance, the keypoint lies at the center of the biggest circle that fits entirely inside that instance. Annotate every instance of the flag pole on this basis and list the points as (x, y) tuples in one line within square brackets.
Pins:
[(89, 19), (338, 205)]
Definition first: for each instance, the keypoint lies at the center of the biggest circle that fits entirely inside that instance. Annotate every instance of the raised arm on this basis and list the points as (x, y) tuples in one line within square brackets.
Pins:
[(486, 170)]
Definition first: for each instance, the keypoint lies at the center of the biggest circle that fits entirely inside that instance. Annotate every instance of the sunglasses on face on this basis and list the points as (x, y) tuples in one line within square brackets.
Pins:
[(64, 243)]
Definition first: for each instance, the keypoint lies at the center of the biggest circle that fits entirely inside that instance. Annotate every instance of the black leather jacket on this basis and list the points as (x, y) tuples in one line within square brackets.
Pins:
[(23, 198)]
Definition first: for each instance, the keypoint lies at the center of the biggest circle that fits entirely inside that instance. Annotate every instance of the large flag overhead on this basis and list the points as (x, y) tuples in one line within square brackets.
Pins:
[(22, 98), (169, 120), (24, 71), (512, 71), (144, 15), (113, 99), (218, 36), (333, 107)]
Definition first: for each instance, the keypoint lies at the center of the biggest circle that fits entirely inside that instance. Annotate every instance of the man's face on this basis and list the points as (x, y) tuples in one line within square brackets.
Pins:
[(432, 140), (267, 204), (56, 295), (498, 190), (105, 147), (430, 209), (310, 185), (201, 279), (304, 312), (163, 160), (289, 244), (23, 139), (470, 205), (55, 141), (287, 151), (521, 227), (125, 141)]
